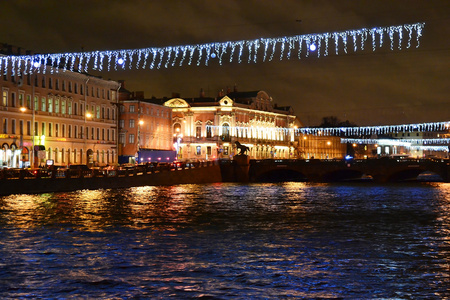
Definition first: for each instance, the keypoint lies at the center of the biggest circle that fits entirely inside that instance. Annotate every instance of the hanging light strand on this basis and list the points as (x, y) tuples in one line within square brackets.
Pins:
[(369, 130), (436, 141), (166, 57), (359, 131)]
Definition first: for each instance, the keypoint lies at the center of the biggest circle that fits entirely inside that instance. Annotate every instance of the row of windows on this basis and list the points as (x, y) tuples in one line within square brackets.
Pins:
[(58, 130), (74, 156), (152, 125), (260, 133), (132, 139), (149, 111), (60, 85), (57, 105)]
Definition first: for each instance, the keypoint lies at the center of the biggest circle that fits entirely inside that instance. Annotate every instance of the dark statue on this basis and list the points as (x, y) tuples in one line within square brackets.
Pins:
[(242, 148)]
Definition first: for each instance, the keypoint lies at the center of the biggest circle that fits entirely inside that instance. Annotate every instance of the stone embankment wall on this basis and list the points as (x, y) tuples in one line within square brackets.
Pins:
[(204, 174)]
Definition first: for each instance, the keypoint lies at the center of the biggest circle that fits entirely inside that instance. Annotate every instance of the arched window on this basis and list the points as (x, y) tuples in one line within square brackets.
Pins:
[(208, 129), (177, 128), (225, 132), (198, 130)]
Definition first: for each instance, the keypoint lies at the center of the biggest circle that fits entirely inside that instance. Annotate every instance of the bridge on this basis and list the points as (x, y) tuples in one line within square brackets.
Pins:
[(378, 170)]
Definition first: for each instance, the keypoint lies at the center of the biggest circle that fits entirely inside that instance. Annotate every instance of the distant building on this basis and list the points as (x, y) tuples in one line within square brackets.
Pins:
[(416, 144), (56, 116), (207, 128), (320, 147), (145, 129)]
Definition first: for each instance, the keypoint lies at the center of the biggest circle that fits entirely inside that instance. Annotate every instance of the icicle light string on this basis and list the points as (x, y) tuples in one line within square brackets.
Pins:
[(398, 142), (166, 57), (346, 131), (369, 130)]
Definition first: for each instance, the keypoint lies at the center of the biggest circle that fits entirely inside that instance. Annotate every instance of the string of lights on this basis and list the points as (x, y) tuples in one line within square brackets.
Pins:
[(343, 131), (430, 148), (397, 142), (263, 49), (369, 130)]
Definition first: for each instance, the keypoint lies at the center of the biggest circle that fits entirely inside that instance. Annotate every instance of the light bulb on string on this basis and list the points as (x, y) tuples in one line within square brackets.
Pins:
[(312, 47)]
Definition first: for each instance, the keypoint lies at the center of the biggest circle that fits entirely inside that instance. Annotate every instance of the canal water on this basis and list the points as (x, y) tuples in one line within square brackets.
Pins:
[(229, 241)]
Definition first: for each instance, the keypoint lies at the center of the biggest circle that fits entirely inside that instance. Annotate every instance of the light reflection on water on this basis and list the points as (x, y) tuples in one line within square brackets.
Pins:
[(228, 241)]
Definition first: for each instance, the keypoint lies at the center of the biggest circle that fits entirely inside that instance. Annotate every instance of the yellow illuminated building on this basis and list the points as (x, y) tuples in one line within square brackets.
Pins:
[(320, 147), (49, 115), (207, 128)]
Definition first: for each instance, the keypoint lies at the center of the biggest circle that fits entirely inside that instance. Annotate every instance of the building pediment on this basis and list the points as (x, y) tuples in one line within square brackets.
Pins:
[(176, 102), (226, 101)]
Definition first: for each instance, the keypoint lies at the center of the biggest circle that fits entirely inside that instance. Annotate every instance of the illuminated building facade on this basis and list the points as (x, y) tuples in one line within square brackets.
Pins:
[(207, 128), (320, 147), (145, 127), (56, 116)]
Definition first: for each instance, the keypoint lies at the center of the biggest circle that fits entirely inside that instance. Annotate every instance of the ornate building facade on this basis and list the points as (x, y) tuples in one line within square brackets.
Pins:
[(207, 128), (56, 116)]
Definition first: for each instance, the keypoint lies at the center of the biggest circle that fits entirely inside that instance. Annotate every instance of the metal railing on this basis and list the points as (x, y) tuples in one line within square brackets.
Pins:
[(120, 171)]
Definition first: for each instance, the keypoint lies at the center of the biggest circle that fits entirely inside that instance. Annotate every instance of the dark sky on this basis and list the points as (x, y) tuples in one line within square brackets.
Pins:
[(368, 88)]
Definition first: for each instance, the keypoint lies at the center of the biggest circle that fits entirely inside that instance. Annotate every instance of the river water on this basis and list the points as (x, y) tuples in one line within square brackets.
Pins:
[(229, 241)]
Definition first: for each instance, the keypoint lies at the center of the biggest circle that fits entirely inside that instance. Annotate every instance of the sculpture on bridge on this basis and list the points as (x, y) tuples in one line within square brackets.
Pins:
[(242, 148)]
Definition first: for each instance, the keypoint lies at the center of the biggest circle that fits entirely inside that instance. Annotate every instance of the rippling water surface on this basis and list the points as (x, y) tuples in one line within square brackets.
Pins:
[(229, 241)]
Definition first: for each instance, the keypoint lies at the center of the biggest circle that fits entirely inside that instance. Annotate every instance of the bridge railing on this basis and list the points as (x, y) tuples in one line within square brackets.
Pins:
[(136, 170)]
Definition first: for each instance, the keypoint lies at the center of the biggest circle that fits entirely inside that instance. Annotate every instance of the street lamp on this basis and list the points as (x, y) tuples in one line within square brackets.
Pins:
[(140, 122), (22, 109), (87, 116)]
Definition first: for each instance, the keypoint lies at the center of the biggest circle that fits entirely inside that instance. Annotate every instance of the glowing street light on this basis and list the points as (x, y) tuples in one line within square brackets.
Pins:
[(87, 116), (138, 146), (22, 109)]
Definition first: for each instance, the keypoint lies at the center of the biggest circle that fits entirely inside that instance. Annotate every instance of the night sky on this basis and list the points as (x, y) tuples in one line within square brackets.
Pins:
[(367, 88)]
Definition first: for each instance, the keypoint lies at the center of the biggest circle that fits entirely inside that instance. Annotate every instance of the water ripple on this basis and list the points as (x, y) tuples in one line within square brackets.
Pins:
[(221, 241)]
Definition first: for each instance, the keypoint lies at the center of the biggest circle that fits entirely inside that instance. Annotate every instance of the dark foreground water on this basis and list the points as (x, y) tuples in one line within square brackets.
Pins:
[(229, 241)]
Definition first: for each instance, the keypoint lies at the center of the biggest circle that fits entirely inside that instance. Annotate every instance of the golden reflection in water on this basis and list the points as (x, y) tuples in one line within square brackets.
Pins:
[(157, 205), (20, 210), (91, 207)]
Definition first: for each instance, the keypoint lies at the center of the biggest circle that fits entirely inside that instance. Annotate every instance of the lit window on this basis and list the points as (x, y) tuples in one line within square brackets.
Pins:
[(43, 104), (50, 104), (5, 98)]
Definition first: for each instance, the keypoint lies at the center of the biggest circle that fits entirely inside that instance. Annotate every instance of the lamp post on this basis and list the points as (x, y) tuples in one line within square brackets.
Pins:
[(138, 147), (33, 127), (22, 109), (87, 116), (178, 136)]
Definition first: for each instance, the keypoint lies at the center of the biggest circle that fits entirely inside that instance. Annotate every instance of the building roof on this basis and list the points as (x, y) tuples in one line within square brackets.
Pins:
[(243, 97)]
